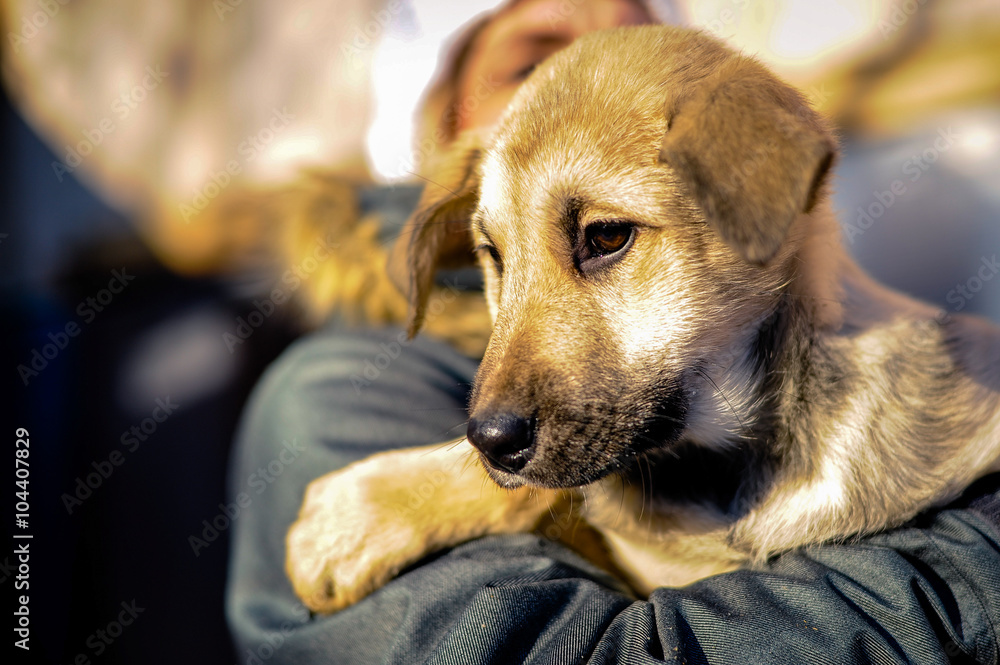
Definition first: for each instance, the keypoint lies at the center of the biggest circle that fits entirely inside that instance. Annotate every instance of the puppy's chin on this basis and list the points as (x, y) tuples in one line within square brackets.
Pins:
[(538, 474), (505, 479)]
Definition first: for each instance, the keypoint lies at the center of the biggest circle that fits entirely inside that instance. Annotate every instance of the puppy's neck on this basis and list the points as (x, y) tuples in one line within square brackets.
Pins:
[(876, 408), (867, 408)]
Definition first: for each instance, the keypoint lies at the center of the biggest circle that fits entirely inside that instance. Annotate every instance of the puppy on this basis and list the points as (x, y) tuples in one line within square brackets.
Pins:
[(681, 348)]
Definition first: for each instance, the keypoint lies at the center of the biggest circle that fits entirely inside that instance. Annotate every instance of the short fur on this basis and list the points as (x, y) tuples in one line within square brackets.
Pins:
[(726, 386)]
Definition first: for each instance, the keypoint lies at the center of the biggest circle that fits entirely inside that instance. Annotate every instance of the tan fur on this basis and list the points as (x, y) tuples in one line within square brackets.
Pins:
[(337, 262), (726, 386), (329, 565)]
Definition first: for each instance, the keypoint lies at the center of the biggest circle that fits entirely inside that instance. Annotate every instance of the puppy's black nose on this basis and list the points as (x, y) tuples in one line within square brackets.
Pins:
[(507, 441)]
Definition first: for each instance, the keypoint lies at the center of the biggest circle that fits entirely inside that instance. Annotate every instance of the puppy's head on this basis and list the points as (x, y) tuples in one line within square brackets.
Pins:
[(634, 214)]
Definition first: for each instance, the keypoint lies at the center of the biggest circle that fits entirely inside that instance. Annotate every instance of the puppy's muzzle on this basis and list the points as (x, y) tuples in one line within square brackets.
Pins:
[(506, 440)]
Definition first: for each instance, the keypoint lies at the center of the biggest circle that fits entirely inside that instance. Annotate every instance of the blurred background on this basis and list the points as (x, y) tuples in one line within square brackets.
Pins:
[(148, 150)]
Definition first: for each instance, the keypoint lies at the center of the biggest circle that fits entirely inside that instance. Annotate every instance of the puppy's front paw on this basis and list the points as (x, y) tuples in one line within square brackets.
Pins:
[(351, 537)]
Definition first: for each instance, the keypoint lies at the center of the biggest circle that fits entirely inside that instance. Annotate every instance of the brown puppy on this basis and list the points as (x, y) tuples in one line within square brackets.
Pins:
[(681, 346)]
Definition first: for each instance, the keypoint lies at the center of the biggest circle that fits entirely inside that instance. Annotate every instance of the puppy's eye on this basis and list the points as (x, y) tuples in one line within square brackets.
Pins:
[(603, 244), (494, 254), (524, 72), (605, 239)]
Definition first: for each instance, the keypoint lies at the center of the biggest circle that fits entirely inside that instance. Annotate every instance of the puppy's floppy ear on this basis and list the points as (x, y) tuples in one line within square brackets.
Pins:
[(752, 153), (437, 235)]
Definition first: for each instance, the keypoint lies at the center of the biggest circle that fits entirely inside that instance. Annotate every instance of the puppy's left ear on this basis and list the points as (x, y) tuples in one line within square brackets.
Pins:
[(437, 236), (752, 153)]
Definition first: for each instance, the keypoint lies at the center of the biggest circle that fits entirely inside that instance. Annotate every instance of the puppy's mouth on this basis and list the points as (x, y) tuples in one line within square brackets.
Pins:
[(563, 451)]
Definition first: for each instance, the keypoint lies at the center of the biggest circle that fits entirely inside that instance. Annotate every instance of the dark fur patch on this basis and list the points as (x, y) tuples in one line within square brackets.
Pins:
[(724, 480)]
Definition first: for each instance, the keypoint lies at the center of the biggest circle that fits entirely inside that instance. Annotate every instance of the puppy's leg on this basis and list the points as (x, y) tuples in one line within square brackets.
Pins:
[(361, 525)]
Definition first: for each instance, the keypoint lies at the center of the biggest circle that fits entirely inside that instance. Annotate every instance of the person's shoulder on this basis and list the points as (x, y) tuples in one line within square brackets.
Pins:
[(982, 498), (308, 361), (360, 370), (319, 362)]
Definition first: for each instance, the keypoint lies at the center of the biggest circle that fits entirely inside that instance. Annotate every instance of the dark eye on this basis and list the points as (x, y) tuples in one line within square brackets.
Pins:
[(605, 239), (524, 72), (494, 255), (603, 244)]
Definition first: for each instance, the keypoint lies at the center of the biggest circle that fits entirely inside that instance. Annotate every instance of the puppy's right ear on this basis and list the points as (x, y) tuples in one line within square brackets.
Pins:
[(437, 236)]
